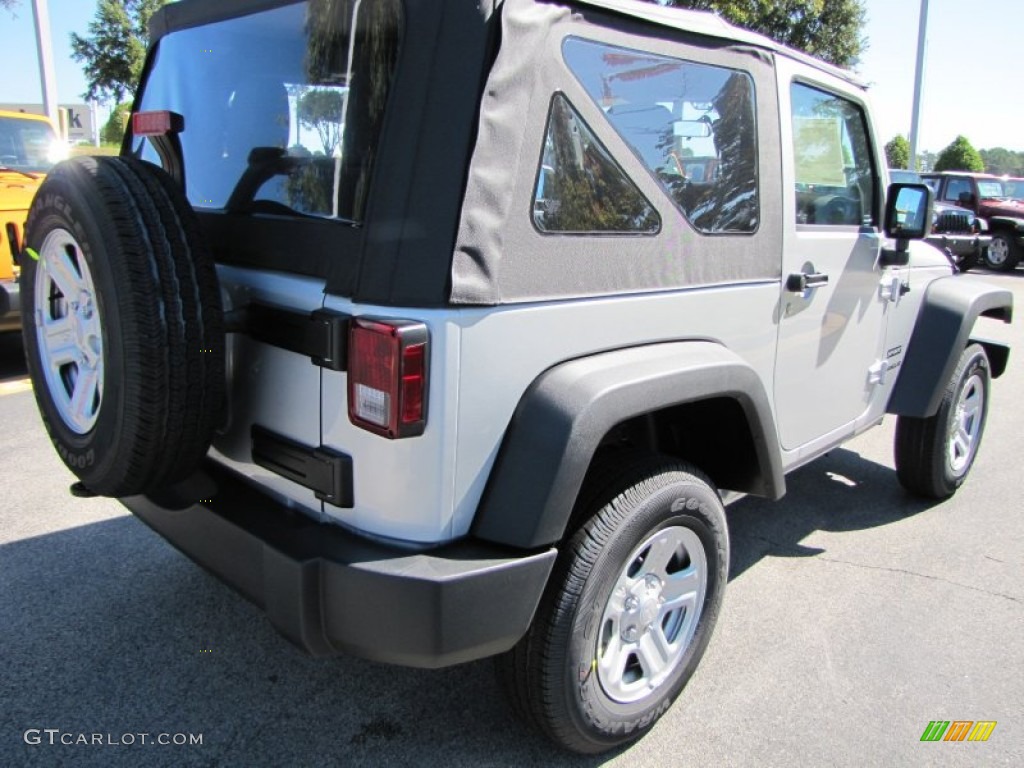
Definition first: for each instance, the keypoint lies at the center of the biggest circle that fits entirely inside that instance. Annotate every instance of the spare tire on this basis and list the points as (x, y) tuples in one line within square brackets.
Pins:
[(123, 326)]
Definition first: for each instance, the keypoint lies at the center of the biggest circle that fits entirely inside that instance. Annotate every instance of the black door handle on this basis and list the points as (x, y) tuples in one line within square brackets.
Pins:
[(803, 281)]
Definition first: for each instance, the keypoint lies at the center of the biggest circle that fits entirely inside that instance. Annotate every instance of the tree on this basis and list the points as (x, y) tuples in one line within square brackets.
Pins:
[(897, 152), (828, 29), (113, 130), (959, 156), (320, 109), (1002, 161), (115, 48)]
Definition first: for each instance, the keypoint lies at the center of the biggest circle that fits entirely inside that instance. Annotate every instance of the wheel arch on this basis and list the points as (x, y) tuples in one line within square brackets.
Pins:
[(658, 394), (943, 329)]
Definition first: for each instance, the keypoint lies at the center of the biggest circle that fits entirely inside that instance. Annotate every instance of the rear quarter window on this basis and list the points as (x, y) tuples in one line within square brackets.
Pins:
[(691, 124)]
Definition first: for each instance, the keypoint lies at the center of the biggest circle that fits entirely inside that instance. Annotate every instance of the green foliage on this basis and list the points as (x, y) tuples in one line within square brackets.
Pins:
[(828, 29), (1002, 161), (113, 130), (115, 48), (897, 152), (320, 109), (959, 156)]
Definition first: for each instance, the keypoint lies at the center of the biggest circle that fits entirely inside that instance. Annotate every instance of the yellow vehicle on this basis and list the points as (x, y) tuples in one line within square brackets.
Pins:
[(28, 148)]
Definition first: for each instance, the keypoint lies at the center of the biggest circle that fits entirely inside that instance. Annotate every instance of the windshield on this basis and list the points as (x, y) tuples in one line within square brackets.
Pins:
[(1014, 188), (283, 109), (991, 188), (28, 146)]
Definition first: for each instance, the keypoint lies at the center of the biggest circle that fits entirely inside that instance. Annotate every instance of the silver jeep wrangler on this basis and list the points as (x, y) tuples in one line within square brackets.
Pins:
[(445, 329)]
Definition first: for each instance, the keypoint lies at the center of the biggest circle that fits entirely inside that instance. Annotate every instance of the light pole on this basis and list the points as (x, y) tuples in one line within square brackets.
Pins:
[(41, 15), (915, 118)]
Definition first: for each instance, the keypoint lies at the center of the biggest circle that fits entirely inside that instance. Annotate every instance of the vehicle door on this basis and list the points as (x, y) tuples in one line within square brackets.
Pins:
[(831, 311)]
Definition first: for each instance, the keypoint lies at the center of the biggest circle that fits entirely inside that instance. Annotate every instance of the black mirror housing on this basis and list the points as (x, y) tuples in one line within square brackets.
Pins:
[(908, 212)]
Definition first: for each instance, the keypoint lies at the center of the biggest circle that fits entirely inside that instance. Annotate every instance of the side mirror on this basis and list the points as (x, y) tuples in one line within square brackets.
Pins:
[(966, 199), (908, 211), (908, 216)]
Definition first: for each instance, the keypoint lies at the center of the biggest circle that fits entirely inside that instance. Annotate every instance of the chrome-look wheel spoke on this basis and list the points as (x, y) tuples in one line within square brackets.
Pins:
[(656, 655), (62, 271), (660, 554), (681, 589), (59, 342), (612, 661), (83, 399)]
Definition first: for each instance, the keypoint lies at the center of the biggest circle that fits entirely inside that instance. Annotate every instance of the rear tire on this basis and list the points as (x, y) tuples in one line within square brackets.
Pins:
[(122, 324), (934, 455), (629, 609)]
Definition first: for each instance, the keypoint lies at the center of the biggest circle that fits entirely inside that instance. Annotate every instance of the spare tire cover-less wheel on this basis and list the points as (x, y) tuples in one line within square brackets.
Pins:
[(122, 323)]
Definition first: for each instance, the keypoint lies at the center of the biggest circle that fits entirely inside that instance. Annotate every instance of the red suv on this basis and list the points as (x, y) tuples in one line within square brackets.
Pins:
[(990, 198)]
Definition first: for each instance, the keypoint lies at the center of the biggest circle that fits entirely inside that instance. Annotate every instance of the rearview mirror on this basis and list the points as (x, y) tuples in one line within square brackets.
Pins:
[(692, 129)]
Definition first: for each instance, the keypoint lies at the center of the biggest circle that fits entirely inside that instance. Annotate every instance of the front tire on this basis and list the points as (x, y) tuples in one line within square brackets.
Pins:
[(934, 455), (629, 609), (1002, 253)]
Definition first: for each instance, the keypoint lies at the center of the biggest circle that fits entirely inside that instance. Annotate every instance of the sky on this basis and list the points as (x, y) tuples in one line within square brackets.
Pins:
[(971, 82)]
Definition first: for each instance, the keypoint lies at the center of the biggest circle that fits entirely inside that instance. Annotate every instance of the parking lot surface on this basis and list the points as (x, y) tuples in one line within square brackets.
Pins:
[(855, 616)]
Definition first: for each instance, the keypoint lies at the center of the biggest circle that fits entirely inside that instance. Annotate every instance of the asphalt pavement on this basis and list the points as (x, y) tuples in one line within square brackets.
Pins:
[(855, 616)]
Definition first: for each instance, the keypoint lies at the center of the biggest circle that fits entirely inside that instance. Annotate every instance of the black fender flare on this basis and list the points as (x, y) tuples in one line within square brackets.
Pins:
[(950, 307), (563, 415)]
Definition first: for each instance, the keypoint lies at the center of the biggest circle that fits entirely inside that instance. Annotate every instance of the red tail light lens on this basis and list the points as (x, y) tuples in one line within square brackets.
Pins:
[(387, 376)]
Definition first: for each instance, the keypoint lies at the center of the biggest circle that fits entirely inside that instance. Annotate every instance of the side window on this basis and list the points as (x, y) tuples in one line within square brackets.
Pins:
[(580, 189), (835, 176), (955, 187), (691, 124)]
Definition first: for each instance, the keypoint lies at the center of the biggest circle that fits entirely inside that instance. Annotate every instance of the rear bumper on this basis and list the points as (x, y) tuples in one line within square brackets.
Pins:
[(10, 305), (330, 591)]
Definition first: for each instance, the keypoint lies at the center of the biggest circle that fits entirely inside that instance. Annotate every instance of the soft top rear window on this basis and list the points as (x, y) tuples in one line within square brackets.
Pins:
[(283, 109)]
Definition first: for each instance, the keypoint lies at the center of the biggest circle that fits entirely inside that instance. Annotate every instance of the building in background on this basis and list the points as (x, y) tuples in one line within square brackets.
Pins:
[(77, 121)]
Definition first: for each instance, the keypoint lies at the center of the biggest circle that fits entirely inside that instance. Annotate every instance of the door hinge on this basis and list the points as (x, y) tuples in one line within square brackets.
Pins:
[(893, 288), (321, 335), (876, 373)]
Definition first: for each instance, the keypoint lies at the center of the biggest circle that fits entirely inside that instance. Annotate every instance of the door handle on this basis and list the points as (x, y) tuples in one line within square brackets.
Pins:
[(804, 281)]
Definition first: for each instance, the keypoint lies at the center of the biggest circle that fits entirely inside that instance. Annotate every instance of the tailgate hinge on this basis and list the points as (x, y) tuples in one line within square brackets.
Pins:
[(321, 335), (326, 472)]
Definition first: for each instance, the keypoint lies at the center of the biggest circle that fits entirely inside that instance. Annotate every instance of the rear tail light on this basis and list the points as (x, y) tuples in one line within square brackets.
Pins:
[(387, 376)]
